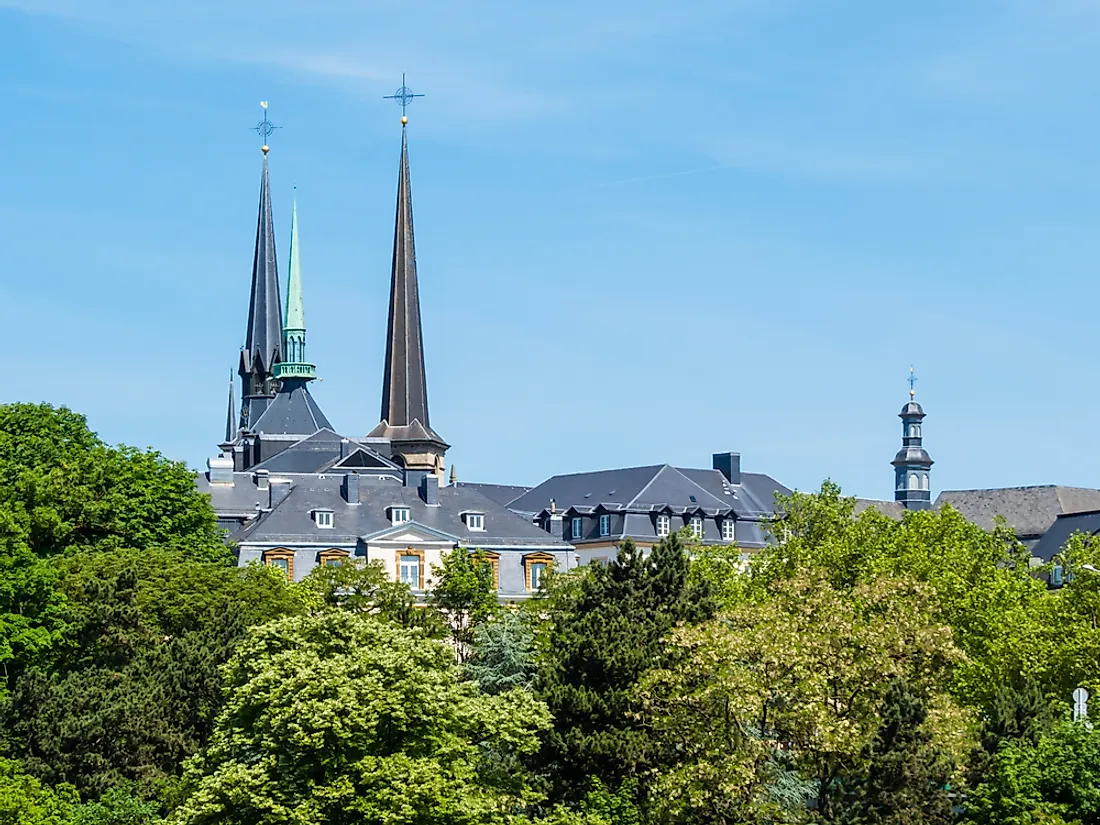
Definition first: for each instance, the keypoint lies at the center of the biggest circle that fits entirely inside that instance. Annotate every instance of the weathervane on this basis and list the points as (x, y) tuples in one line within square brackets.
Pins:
[(404, 96), (912, 381), (265, 127)]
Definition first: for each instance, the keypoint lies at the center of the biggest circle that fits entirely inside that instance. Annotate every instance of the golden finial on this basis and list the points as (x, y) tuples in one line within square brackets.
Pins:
[(404, 120), (912, 381)]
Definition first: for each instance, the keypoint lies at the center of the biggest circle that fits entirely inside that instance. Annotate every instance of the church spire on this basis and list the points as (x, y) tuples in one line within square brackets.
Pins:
[(294, 327), (405, 386), (263, 337), (231, 415), (912, 462)]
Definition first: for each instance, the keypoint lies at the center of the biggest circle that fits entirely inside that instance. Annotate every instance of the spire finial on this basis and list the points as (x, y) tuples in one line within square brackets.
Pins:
[(404, 96), (265, 127), (912, 382), (454, 475)]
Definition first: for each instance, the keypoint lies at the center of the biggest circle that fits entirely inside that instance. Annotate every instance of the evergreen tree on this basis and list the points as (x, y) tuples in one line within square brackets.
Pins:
[(504, 653), (605, 630), (905, 781)]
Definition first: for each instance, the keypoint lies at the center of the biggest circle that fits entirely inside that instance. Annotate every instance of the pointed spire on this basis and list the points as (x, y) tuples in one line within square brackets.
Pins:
[(405, 387), (263, 337), (231, 415), (454, 476), (912, 464), (294, 364)]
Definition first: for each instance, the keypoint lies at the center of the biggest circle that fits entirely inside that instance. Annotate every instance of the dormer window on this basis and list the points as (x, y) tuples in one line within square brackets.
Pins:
[(697, 527), (728, 530), (474, 521), (605, 525), (323, 518), (399, 515), (578, 527), (664, 524)]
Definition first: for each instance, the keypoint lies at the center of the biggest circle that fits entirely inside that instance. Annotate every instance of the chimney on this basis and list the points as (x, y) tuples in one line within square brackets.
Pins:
[(429, 490), (350, 488), (345, 448), (263, 479), (729, 465), (553, 506), (220, 471)]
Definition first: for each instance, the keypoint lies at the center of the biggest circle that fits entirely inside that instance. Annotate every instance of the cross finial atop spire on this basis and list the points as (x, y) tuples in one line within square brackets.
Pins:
[(912, 382), (265, 127), (403, 96)]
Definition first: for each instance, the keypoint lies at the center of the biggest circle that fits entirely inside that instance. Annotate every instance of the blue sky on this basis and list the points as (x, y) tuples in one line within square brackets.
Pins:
[(646, 231)]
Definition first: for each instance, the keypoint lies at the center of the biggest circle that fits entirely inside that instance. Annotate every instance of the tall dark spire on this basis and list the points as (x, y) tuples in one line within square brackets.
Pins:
[(231, 415), (263, 337), (405, 386), (912, 463)]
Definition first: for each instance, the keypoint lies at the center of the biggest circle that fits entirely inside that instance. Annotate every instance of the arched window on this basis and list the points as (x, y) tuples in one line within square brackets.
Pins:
[(917, 426), (924, 481), (914, 482), (913, 431)]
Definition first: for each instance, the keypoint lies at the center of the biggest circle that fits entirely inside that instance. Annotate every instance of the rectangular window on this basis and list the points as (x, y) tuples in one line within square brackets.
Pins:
[(663, 525), (281, 564), (333, 562), (697, 527), (538, 568), (323, 518), (475, 521), (410, 571), (605, 525), (578, 527), (727, 529), (399, 515)]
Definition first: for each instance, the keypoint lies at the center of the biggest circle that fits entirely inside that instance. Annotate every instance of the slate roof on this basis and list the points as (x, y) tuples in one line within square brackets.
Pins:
[(503, 494), (1030, 511), (1055, 538), (291, 522), (322, 452), (638, 492), (292, 411), (893, 509)]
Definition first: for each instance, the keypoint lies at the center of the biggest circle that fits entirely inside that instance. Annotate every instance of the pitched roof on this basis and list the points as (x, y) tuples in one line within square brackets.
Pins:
[(503, 494), (291, 412), (322, 451), (893, 509), (1055, 538), (291, 521), (1030, 511)]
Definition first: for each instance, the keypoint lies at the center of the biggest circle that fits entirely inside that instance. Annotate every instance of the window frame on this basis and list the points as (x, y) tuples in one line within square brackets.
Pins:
[(327, 557), (398, 508), (529, 563), (491, 558), (697, 526), (324, 519), (605, 524), (664, 525), (576, 524), (468, 520), (280, 554), (729, 529), (420, 572)]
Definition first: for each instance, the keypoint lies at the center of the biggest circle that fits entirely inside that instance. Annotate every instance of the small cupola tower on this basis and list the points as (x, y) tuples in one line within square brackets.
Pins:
[(912, 463)]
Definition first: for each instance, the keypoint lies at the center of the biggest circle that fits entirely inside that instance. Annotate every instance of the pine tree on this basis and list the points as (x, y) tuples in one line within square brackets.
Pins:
[(606, 631), (905, 781)]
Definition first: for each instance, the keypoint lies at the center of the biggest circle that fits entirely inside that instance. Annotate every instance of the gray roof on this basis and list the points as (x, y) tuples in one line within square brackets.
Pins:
[(911, 410), (323, 451), (291, 522), (1030, 511), (893, 509), (264, 335), (292, 411), (405, 386), (1055, 538), (503, 494)]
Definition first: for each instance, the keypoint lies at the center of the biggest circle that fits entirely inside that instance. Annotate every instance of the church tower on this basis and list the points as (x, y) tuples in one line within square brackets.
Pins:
[(404, 387), (263, 337), (912, 463)]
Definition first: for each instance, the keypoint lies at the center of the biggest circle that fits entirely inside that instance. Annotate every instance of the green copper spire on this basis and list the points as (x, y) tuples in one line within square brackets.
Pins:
[(294, 324)]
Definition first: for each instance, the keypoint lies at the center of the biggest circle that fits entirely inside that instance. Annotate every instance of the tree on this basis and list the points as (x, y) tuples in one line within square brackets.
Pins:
[(61, 488), (464, 596), (504, 653), (366, 588), (26, 801), (133, 687), (604, 629), (784, 691), (342, 718), (905, 781)]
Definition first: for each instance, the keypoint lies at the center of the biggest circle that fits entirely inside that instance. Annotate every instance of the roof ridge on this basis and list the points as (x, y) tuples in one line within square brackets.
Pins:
[(660, 469), (708, 493)]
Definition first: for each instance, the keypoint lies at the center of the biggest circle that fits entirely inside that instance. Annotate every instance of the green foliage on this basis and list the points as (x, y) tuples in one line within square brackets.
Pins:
[(117, 806), (464, 596), (133, 686), (905, 781), (63, 489), (341, 718), (504, 653), (26, 801), (604, 630), (1057, 779), (366, 588)]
